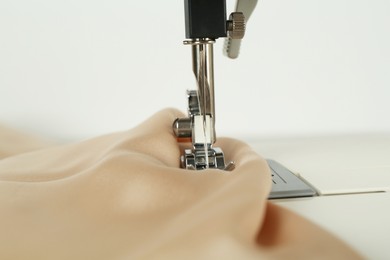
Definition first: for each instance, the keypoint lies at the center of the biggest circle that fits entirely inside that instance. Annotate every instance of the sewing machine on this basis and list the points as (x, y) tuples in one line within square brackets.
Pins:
[(317, 168), (205, 22), (299, 55)]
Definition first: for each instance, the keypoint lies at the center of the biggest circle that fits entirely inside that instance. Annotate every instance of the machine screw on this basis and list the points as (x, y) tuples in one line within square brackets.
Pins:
[(236, 25)]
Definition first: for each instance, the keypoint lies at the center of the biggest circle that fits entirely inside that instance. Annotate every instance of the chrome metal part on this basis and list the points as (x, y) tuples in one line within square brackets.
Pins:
[(196, 159), (206, 21), (232, 46), (203, 68), (200, 124), (182, 128)]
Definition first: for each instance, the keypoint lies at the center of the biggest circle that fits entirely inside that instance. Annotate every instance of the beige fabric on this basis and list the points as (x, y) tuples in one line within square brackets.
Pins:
[(123, 196), (14, 142)]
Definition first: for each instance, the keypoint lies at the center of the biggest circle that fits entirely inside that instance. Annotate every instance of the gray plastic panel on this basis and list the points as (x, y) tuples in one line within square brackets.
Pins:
[(286, 184)]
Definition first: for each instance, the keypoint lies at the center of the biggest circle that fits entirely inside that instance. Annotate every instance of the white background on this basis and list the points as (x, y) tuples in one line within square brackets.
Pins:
[(79, 68)]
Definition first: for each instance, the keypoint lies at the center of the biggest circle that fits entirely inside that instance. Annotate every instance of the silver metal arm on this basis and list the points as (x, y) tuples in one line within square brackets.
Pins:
[(205, 22), (232, 45)]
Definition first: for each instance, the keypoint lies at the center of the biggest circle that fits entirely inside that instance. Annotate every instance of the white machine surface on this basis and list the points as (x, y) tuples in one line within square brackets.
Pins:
[(352, 176), (85, 68)]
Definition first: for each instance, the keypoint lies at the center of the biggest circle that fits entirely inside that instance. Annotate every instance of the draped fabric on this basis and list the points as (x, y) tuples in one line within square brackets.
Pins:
[(124, 196)]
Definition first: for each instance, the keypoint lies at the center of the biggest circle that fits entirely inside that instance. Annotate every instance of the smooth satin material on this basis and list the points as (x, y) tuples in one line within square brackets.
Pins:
[(123, 196)]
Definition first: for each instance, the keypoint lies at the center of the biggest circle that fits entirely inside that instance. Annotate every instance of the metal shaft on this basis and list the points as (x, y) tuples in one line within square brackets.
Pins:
[(203, 68)]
